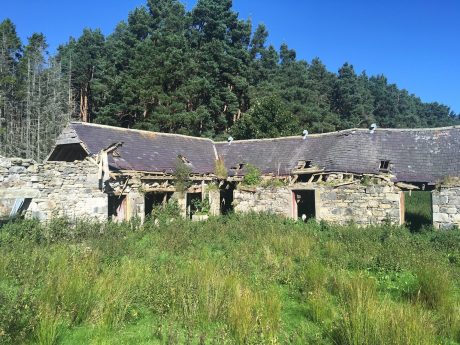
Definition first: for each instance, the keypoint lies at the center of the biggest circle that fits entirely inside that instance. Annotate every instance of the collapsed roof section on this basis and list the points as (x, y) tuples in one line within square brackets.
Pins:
[(139, 150), (410, 155)]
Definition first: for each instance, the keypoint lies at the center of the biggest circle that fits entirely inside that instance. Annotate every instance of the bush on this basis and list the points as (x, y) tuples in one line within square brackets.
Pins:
[(252, 176)]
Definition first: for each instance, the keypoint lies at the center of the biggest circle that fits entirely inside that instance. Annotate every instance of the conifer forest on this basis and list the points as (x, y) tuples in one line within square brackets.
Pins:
[(203, 72)]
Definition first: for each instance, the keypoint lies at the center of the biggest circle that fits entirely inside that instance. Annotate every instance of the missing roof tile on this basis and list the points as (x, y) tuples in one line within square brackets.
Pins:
[(238, 166), (303, 164), (183, 159)]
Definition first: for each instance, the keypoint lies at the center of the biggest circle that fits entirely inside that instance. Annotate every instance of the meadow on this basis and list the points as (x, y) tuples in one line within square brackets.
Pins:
[(253, 279)]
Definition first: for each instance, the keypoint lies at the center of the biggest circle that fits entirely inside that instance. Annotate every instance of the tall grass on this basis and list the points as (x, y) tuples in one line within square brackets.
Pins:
[(253, 279)]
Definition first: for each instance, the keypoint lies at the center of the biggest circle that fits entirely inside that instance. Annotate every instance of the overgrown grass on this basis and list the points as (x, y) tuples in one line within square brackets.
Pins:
[(253, 279), (419, 214)]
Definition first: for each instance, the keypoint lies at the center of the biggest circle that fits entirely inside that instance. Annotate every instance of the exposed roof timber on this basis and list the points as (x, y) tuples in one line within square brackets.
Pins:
[(416, 155)]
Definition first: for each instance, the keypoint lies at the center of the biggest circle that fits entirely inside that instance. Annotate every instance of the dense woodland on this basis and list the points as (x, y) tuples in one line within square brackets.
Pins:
[(203, 72)]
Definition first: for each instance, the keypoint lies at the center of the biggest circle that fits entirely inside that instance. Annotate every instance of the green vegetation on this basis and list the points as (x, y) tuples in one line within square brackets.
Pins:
[(181, 174), (252, 175), (419, 214), (201, 71), (254, 279), (202, 207), (220, 170)]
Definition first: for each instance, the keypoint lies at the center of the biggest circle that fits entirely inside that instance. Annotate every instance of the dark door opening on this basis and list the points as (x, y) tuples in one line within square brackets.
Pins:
[(155, 199), (226, 199), (305, 203), (117, 207), (418, 210), (193, 200)]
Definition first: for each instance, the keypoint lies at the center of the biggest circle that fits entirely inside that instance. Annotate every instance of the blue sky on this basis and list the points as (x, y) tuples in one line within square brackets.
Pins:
[(415, 43)]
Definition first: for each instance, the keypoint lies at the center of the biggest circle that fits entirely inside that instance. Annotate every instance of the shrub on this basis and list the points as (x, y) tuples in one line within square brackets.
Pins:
[(164, 213), (202, 206), (252, 176), (182, 175)]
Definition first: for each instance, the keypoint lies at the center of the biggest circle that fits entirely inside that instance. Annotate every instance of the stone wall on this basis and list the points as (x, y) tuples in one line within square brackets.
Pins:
[(72, 190), (271, 200), (446, 207), (53, 189), (361, 204)]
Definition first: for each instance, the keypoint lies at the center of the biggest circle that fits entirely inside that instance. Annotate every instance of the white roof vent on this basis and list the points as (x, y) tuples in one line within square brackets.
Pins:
[(372, 128), (230, 139), (305, 134)]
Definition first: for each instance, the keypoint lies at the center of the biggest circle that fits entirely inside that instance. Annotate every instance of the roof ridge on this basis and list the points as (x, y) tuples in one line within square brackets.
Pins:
[(315, 135), (138, 130)]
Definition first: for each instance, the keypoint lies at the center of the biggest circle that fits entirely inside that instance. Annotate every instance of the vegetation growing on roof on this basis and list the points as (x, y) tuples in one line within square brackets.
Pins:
[(252, 175), (220, 169), (181, 174)]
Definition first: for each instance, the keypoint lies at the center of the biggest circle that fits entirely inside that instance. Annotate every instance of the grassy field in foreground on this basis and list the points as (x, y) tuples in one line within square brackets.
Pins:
[(231, 280)]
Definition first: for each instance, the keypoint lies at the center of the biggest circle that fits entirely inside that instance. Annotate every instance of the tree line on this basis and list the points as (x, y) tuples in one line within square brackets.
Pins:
[(203, 72)]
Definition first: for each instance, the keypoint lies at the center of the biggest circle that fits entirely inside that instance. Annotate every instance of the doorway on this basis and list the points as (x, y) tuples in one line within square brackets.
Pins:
[(418, 209), (226, 199), (193, 202), (304, 204), (117, 207)]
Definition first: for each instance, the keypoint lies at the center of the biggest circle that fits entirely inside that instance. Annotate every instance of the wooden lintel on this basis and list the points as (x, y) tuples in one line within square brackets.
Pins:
[(307, 170), (345, 184), (160, 190), (407, 186)]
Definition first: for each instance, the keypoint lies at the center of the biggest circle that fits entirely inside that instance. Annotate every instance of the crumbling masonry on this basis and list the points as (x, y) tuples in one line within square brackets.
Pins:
[(101, 172)]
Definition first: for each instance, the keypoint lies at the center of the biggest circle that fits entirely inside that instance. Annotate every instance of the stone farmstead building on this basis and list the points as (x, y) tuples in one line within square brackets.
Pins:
[(101, 172)]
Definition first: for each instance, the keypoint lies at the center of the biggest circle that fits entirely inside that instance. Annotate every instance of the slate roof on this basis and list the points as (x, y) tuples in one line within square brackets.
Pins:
[(142, 150), (415, 155)]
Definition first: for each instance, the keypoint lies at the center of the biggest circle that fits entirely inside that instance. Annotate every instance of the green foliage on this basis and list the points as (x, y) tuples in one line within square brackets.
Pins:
[(233, 280), (167, 212), (201, 206), (202, 72), (268, 118), (252, 175), (418, 208), (274, 183), (182, 176)]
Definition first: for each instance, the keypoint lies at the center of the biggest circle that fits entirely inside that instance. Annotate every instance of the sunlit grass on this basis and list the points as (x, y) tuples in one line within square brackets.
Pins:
[(254, 279)]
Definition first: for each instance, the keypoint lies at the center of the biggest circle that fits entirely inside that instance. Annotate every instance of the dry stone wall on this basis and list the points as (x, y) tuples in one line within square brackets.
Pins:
[(361, 204), (271, 200), (446, 207), (53, 189), (357, 203)]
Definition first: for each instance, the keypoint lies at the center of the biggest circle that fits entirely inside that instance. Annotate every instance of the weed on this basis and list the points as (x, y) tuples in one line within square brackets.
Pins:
[(241, 279), (252, 176)]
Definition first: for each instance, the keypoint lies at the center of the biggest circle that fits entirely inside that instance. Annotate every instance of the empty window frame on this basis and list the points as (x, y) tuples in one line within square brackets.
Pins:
[(155, 199), (384, 165), (302, 164), (238, 166)]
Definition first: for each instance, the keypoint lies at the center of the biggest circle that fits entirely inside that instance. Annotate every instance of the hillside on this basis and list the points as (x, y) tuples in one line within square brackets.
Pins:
[(231, 280), (203, 72)]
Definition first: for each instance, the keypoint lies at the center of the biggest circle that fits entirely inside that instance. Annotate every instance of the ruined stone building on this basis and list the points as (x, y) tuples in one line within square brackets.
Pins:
[(101, 172)]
